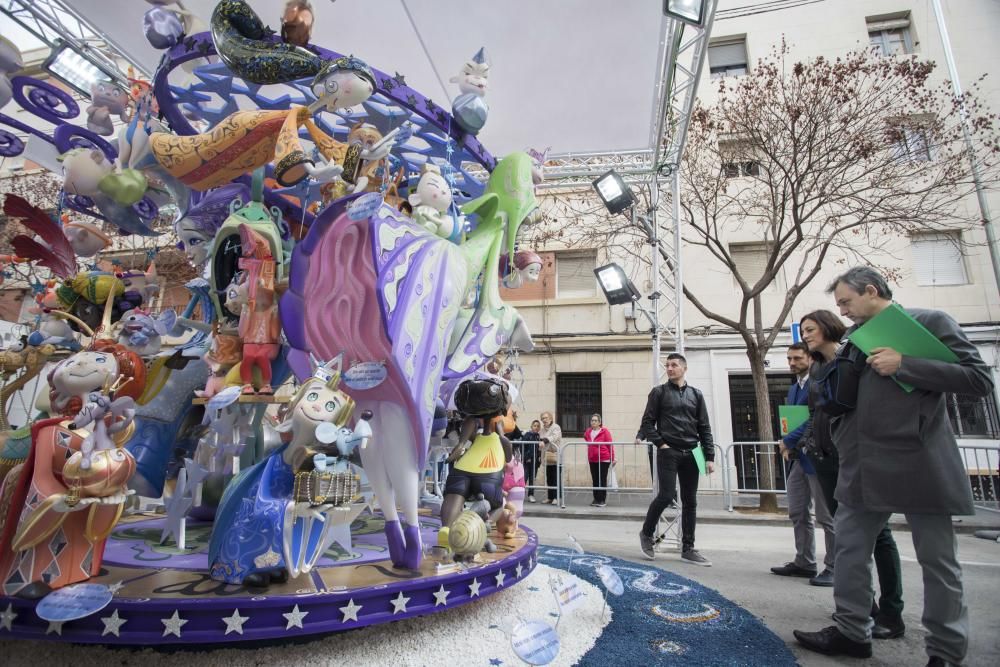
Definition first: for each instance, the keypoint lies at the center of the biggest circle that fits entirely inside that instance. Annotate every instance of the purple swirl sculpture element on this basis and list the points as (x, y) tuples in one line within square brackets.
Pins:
[(44, 100), (10, 145)]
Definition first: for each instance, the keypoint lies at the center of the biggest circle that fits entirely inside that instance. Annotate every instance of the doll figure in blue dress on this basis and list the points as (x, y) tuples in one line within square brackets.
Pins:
[(263, 532)]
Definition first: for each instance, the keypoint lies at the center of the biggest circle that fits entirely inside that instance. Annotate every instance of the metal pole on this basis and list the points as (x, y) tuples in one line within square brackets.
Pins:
[(984, 208), (675, 204), (654, 244)]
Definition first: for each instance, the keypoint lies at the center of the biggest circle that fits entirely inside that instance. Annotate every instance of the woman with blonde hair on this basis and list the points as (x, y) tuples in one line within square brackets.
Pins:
[(550, 437)]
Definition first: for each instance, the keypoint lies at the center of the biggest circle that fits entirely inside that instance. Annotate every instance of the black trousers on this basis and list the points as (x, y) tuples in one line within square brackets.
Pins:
[(530, 465), (673, 465), (599, 477), (552, 479), (886, 554)]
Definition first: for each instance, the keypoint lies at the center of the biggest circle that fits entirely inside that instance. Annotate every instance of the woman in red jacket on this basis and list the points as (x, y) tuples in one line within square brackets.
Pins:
[(601, 457)]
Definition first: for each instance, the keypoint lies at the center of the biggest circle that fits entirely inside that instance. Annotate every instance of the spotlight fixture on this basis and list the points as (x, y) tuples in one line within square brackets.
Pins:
[(613, 192), (689, 11), (76, 70), (615, 284)]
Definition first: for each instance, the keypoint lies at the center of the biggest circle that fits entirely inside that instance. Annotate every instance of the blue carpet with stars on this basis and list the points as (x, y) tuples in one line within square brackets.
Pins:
[(663, 618)]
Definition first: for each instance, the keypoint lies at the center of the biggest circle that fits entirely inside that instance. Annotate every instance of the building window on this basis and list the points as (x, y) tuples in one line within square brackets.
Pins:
[(575, 274), (890, 35), (728, 58), (911, 143), (741, 169), (974, 416), (750, 260), (938, 260), (578, 395)]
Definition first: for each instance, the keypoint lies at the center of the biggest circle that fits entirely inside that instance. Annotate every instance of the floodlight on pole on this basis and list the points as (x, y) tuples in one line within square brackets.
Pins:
[(613, 191), (617, 287), (75, 69), (688, 11)]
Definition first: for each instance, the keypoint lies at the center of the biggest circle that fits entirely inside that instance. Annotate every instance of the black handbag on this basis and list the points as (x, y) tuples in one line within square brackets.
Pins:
[(838, 381)]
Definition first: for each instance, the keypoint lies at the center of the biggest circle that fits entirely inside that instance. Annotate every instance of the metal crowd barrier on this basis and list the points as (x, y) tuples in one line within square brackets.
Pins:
[(741, 468), (983, 465)]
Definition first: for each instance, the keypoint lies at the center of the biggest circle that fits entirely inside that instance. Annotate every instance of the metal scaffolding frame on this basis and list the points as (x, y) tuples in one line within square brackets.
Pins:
[(680, 61), (53, 20)]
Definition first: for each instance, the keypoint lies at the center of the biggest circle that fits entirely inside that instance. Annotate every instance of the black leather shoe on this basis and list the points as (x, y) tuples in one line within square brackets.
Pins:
[(888, 628), (938, 661), (793, 570), (831, 641), (256, 580)]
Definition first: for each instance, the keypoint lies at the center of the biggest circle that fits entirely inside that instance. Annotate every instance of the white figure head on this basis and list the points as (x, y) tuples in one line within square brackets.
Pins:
[(432, 190), (81, 374), (86, 239), (474, 75), (343, 83), (196, 240), (83, 169)]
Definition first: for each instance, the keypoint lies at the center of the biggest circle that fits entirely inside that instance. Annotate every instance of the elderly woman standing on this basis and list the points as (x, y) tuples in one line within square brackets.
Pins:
[(601, 457), (551, 440)]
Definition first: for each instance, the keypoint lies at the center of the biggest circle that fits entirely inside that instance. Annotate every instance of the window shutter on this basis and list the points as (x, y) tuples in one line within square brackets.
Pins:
[(937, 260), (727, 55), (750, 260), (575, 275)]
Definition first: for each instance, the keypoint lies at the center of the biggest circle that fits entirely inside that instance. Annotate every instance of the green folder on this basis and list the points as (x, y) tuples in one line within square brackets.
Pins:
[(896, 328), (699, 459), (792, 417)]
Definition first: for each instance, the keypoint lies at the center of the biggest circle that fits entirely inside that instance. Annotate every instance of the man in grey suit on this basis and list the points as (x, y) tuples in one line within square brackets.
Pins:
[(898, 454)]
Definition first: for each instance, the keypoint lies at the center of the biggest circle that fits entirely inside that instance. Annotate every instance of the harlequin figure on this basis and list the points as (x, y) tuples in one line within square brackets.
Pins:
[(260, 327), (54, 513)]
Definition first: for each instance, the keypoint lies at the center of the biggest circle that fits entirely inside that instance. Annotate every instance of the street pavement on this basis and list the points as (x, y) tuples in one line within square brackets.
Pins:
[(742, 553)]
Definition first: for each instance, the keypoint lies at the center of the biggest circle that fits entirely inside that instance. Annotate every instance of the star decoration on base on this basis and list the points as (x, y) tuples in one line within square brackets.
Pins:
[(518, 570), (112, 624), (474, 588), (56, 627), (399, 79), (115, 587), (399, 604), (235, 622), (294, 618), (495, 662), (7, 617), (172, 625), (500, 578), (441, 597), (350, 611)]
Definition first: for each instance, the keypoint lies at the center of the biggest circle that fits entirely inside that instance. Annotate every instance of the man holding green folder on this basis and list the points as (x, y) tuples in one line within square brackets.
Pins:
[(898, 454), (676, 423)]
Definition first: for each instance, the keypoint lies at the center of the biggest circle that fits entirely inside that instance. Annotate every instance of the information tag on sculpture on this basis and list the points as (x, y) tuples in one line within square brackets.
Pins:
[(568, 593), (610, 579), (535, 642), (73, 602), (365, 375)]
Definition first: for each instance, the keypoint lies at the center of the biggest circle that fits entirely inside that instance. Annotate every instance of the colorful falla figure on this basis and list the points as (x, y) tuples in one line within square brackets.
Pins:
[(470, 108), (431, 202), (106, 99), (259, 326), (85, 238), (246, 140), (261, 535), (196, 227), (141, 332), (57, 512)]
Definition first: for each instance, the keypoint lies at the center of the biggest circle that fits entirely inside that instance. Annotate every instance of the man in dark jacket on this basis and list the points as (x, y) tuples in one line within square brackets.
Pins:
[(675, 421), (898, 454), (802, 486)]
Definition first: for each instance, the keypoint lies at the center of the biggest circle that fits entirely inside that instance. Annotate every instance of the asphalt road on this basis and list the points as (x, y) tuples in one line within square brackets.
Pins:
[(742, 556)]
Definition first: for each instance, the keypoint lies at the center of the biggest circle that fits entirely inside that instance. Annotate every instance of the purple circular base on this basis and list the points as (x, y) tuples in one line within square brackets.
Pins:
[(186, 607)]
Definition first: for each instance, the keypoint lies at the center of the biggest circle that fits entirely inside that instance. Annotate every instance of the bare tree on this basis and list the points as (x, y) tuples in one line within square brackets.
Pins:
[(808, 157)]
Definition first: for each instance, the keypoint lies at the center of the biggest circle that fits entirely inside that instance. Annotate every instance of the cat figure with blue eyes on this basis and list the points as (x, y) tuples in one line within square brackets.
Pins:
[(259, 515)]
